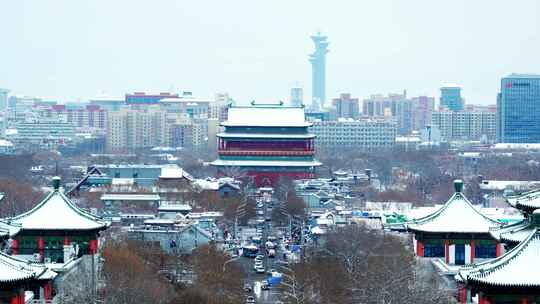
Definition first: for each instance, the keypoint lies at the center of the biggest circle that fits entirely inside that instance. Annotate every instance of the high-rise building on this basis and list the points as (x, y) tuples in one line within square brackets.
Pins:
[(363, 134), (186, 106), (43, 134), (297, 96), (318, 71), (465, 125), (518, 107), (83, 116), (451, 97), (3, 100), (393, 105), (131, 129), (346, 107), (423, 106), (220, 107)]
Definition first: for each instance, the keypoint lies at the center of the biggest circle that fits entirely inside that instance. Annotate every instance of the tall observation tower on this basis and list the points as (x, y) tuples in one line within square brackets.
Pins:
[(318, 71)]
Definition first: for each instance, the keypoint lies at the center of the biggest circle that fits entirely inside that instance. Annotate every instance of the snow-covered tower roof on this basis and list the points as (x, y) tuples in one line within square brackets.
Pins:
[(57, 212), (14, 270), (518, 268), (457, 215), (527, 201), (8, 230)]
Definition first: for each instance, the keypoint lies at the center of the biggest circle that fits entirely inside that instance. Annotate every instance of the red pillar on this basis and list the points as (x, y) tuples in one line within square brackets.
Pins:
[(482, 299), (498, 250), (524, 301), (66, 240), (447, 251), (15, 246), (473, 251), (18, 298), (47, 290), (419, 248), (92, 246), (41, 247), (462, 294)]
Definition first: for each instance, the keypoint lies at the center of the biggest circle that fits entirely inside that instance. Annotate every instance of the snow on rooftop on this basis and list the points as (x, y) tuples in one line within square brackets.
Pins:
[(174, 207), (8, 229), (264, 135), (174, 172), (502, 185), (529, 200), (458, 215), (266, 116), (518, 267), (514, 233), (450, 85), (129, 197), (205, 184), (5, 143), (57, 212), (13, 269), (515, 146)]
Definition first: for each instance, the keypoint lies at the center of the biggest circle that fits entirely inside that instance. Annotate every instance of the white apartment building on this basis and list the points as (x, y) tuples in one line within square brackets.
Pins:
[(359, 134), (139, 128), (465, 125), (130, 129)]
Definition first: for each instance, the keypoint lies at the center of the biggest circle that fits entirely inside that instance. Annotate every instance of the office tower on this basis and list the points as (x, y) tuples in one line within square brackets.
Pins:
[(346, 107), (318, 71), (3, 100), (451, 97), (423, 106), (518, 108), (297, 96), (393, 105)]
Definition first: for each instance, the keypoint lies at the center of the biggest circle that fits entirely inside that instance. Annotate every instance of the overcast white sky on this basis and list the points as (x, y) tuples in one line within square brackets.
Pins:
[(257, 49)]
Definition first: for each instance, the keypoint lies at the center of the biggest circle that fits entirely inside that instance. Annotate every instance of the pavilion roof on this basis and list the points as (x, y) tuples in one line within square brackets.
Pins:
[(266, 116), (57, 212), (8, 229), (457, 215), (517, 268), (528, 201), (15, 270), (514, 233)]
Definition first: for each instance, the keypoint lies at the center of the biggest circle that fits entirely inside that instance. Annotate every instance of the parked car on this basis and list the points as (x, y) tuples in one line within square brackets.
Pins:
[(250, 300), (248, 288)]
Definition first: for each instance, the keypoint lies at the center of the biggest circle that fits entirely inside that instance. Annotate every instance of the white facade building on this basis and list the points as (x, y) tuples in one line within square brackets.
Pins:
[(465, 125), (358, 134)]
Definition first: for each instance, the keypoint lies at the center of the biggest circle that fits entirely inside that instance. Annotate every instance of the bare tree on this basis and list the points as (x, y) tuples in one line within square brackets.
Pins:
[(358, 265)]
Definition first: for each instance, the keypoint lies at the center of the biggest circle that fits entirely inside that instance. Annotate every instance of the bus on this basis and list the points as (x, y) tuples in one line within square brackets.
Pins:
[(250, 251)]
